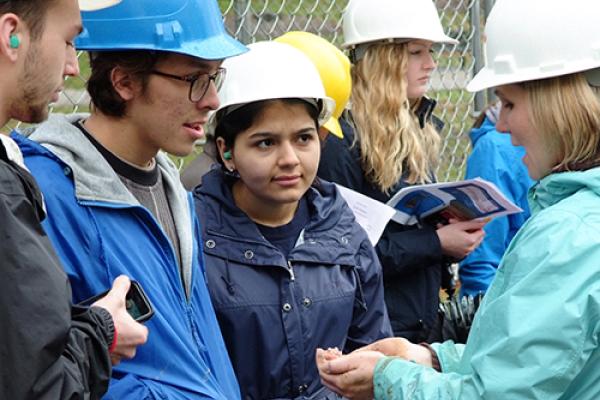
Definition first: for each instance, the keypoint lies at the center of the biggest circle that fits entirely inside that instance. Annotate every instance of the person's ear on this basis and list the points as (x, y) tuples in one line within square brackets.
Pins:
[(124, 83), (10, 37), (226, 154)]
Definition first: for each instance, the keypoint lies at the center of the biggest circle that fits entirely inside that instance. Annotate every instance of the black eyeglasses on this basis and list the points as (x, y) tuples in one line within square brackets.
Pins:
[(198, 83)]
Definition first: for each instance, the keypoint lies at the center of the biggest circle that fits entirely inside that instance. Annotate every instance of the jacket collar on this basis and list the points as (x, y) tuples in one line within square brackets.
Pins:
[(560, 185), (95, 179), (329, 237)]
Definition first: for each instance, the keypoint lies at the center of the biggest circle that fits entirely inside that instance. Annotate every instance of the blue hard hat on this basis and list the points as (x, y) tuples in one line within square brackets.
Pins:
[(190, 27)]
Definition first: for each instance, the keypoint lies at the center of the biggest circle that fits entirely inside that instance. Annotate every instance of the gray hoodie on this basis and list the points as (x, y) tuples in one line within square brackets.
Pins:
[(95, 179)]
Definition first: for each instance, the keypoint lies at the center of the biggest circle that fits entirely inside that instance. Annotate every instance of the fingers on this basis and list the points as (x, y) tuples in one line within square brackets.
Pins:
[(329, 365), (338, 366), (131, 335), (122, 352), (127, 352), (471, 225), (476, 239), (120, 286)]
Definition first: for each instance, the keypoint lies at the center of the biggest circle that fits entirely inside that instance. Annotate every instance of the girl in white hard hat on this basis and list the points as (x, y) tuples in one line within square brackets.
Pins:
[(333, 67), (537, 333), (288, 268), (390, 142)]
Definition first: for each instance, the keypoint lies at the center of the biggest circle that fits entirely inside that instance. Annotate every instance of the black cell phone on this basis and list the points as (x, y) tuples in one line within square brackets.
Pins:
[(136, 302)]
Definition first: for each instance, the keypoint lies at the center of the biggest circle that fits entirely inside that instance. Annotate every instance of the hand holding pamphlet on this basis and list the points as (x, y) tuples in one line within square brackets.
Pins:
[(430, 204)]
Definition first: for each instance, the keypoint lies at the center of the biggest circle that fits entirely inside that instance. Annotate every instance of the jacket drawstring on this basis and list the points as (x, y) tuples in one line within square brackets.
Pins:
[(227, 279)]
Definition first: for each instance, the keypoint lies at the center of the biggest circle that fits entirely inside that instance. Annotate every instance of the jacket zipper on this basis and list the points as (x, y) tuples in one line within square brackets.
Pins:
[(291, 271)]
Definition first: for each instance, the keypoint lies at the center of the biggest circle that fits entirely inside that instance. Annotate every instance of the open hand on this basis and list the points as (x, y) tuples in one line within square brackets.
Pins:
[(350, 375), (400, 347)]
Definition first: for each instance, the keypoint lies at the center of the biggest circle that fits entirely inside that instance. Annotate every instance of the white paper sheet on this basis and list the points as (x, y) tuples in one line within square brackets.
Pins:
[(371, 214)]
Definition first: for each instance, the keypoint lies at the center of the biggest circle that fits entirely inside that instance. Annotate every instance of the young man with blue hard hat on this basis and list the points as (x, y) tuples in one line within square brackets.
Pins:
[(114, 198)]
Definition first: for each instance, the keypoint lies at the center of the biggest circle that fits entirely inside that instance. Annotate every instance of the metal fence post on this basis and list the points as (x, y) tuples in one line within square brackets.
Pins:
[(491, 97), (479, 98)]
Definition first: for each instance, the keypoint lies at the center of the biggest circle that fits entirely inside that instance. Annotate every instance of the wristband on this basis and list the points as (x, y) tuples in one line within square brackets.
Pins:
[(113, 345)]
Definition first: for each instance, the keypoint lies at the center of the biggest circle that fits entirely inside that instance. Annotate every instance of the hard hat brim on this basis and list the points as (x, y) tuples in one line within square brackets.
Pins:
[(488, 78), (333, 126), (435, 39), (214, 48)]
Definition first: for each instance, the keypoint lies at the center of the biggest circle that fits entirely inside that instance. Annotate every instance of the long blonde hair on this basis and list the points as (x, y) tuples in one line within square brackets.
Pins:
[(392, 143), (565, 111)]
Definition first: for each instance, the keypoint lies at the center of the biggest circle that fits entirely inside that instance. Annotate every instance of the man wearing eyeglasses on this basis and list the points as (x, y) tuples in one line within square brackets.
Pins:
[(114, 198)]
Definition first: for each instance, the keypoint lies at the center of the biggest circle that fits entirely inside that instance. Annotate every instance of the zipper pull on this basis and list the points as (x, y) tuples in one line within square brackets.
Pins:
[(291, 271)]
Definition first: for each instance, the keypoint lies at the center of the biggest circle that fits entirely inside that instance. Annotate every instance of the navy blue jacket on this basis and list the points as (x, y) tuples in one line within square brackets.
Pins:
[(274, 312), (411, 257)]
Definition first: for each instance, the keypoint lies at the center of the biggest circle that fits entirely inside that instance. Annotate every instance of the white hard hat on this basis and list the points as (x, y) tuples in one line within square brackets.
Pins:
[(92, 5), (366, 21), (537, 39), (272, 70)]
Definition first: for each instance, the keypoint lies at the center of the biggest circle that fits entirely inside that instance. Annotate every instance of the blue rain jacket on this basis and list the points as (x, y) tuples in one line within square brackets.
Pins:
[(494, 159), (100, 231)]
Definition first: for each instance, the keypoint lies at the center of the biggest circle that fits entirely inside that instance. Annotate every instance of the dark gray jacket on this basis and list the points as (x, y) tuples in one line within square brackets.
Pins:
[(48, 348)]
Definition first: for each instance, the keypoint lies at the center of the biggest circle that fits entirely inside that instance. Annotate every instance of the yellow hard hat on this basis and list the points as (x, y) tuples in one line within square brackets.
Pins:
[(333, 67)]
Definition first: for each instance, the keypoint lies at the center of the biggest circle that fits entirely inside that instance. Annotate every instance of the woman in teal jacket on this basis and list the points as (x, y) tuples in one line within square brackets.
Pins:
[(537, 332)]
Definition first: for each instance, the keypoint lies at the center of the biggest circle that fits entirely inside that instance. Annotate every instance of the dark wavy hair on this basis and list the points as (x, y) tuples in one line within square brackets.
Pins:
[(138, 63)]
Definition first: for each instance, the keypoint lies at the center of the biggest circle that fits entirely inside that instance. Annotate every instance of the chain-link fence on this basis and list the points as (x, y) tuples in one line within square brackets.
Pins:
[(254, 20)]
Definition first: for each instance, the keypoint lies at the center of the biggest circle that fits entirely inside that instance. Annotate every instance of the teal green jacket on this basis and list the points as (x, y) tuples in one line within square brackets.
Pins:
[(537, 332)]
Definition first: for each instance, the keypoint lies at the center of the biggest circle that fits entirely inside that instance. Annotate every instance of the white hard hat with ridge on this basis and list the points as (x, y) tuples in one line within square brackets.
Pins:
[(272, 70), (537, 39), (368, 21)]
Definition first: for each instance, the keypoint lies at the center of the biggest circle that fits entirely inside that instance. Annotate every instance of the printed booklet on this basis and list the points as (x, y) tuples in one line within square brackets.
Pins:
[(436, 203)]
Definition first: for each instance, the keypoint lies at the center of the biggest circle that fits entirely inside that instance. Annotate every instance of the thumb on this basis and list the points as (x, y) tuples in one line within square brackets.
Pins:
[(120, 286), (338, 366)]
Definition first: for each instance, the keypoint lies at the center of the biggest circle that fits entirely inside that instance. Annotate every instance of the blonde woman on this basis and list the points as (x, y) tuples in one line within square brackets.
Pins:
[(536, 334), (390, 141)]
